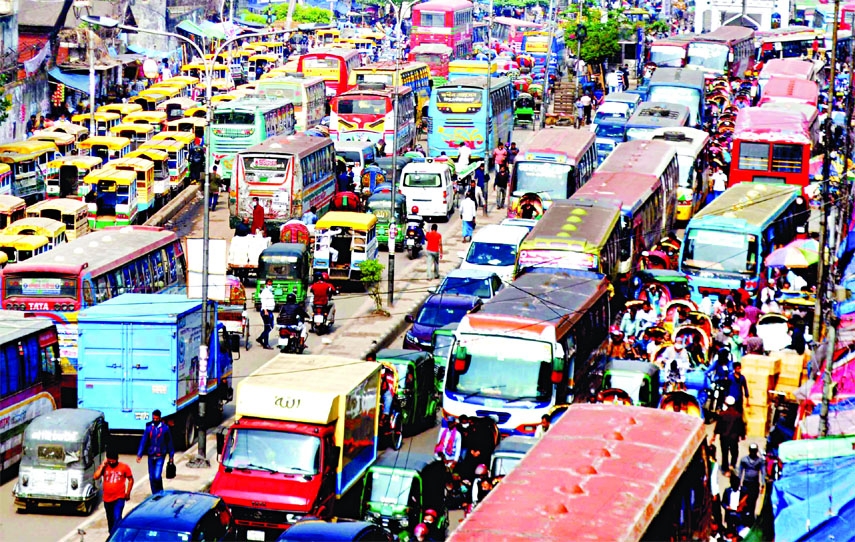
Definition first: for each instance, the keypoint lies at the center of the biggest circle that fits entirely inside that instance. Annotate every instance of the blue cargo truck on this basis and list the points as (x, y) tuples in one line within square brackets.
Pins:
[(140, 352)]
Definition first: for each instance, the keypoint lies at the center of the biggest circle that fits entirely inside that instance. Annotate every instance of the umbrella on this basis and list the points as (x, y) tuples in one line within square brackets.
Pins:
[(807, 245), (791, 257)]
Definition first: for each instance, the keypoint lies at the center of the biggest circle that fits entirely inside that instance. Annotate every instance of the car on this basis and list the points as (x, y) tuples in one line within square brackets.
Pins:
[(176, 515), (495, 248), (484, 284), (437, 311), (529, 223), (311, 530)]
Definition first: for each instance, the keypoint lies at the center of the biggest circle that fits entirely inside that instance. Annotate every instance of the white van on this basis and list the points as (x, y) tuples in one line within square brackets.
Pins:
[(356, 154), (495, 249), (427, 185)]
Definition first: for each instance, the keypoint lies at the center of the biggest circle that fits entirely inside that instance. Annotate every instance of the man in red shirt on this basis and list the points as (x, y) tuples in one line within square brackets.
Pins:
[(433, 249), (118, 483)]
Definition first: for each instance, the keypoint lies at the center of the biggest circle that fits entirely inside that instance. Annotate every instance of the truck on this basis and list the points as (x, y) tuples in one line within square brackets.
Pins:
[(140, 352), (305, 433)]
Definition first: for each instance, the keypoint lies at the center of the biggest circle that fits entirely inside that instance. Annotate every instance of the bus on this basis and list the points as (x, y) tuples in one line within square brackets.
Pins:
[(643, 176), (446, 22), (791, 42), (415, 75), (240, 124), (28, 162), (469, 68), (553, 165), (333, 65), (528, 349), (808, 70), (477, 111), (670, 52), (29, 380), (308, 94), (621, 473), (371, 112), (536, 44), (649, 116), (288, 175), (790, 90), (71, 212), (89, 270), (694, 184), (726, 51), (770, 146), (437, 58), (725, 244), (577, 234), (511, 31), (680, 86)]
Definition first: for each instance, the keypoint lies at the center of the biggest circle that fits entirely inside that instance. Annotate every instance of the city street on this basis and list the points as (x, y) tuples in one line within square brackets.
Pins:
[(54, 524)]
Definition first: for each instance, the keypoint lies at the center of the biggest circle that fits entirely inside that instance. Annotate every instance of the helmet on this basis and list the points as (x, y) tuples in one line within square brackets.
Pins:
[(481, 470), (420, 530), (415, 209), (291, 298), (615, 330), (325, 276), (430, 513)]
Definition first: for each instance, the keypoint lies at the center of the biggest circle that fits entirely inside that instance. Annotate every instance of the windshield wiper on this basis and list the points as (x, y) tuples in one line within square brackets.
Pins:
[(249, 466)]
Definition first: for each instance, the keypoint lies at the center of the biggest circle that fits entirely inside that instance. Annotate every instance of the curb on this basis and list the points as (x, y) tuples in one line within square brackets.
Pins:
[(173, 207)]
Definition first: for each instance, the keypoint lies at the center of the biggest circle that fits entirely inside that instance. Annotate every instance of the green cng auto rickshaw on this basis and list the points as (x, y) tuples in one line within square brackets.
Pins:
[(508, 454), (442, 347), (287, 264), (400, 487), (61, 450), (416, 391), (639, 379), (380, 205)]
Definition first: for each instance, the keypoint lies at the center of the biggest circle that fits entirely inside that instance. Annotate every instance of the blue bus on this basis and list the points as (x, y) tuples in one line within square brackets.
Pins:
[(650, 116), (679, 86), (727, 242), (536, 45), (477, 111)]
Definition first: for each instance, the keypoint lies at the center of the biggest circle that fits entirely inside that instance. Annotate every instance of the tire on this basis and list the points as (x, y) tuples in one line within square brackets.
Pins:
[(86, 507), (187, 429)]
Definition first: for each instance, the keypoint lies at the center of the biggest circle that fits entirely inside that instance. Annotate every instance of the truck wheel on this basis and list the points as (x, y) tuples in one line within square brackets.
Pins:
[(86, 507), (187, 429)]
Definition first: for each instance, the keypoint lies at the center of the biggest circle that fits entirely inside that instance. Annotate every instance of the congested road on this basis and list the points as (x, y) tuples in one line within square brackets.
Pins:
[(55, 524)]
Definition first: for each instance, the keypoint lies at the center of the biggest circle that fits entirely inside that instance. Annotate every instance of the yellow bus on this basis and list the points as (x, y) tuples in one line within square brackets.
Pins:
[(137, 133), (18, 248), (415, 75), (200, 112), (160, 160), (71, 212), (28, 162), (52, 230), (103, 121), (79, 132), (176, 107), (177, 162), (5, 180), (257, 64), (121, 109), (112, 197), (155, 118), (197, 70), (65, 143), (64, 175), (144, 170), (188, 124), (173, 135), (12, 208), (106, 147), (149, 99)]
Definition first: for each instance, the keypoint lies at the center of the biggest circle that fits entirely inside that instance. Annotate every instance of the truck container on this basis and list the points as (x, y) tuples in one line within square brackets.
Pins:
[(140, 352), (305, 433)]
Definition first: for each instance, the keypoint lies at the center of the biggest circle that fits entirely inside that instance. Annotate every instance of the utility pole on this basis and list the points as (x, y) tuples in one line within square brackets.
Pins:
[(544, 106), (92, 126), (393, 228)]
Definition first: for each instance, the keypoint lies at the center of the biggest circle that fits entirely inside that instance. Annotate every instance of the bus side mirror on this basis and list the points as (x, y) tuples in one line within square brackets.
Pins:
[(461, 360), (221, 443)]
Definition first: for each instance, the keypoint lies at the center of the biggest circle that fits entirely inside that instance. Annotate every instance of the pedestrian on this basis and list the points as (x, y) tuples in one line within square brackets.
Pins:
[(754, 344), (449, 444), (719, 179), (513, 151), (117, 485), (464, 154), (730, 429), (268, 305), (624, 72), (587, 106), (242, 229), (734, 502), (500, 156), (714, 471), (580, 113), (481, 183), (214, 182), (468, 211), (381, 147), (156, 443), (477, 193), (738, 387), (613, 82), (545, 424), (310, 217), (751, 477), (257, 217), (433, 249), (478, 446), (31, 125), (500, 185), (197, 160)]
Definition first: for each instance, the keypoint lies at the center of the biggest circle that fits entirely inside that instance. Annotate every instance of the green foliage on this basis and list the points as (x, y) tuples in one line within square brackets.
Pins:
[(520, 3), (372, 275), (5, 100), (250, 17), (302, 14), (657, 26), (602, 40)]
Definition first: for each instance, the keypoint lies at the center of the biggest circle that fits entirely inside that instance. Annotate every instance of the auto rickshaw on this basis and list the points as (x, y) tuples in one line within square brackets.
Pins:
[(416, 390), (103, 122), (295, 231), (774, 329), (442, 346), (508, 455), (79, 132), (197, 112), (380, 205), (346, 201), (137, 133), (638, 379), (524, 111), (64, 175), (61, 450), (106, 147), (287, 265), (681, 401), (66, 144), (258, 63), (155, 118), (614, 396), (697, 341), (120, 108), (233, 313), (372, 175), (666, 283), (188, 124), (400, 487)]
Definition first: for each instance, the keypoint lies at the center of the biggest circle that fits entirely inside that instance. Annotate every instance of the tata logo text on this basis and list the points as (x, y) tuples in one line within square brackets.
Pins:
[(286, 402), (37, 306)]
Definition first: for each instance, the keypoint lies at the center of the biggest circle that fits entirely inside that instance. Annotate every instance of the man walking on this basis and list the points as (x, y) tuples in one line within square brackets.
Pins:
[(500, 185), (433, 249), (117, 486), (751, 477), (268, 305), (214, 188), (731, 429), (156, 443)]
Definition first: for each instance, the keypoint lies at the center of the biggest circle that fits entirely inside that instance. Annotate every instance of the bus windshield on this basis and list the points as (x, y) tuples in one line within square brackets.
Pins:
[(506, 368), (233, 117), (540, 178), (667, 56), (384, 78), (361, 106), (611, 131), (720, 251), (708, 55), (49, 286), (273, 451), (690, 97)]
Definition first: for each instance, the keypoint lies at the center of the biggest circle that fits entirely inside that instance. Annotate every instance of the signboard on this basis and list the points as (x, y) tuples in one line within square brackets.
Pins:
[(41, 286), (217, 269)]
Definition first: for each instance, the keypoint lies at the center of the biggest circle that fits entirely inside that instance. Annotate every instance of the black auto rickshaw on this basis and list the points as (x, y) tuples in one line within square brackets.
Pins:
[(380, 205), (385, 163), (400, 487), (287, 265), (416, 390)]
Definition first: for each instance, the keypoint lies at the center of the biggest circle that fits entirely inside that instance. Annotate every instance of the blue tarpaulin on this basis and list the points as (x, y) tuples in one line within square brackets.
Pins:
[(151, 53), (815, 500), (74, 80)]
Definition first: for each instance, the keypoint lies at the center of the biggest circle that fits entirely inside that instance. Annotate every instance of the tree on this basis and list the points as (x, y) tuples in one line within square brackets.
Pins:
[(372, 275), (601, 42), (302, 14)]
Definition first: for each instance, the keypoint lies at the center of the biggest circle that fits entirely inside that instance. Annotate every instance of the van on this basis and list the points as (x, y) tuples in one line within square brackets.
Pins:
[(176, 515), (428, 186), (355, 153), (496, 249), (632, 100)]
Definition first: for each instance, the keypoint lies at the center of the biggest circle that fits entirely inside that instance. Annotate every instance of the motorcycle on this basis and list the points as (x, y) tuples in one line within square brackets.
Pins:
[(290, 341), (323, 318), (414, 240)]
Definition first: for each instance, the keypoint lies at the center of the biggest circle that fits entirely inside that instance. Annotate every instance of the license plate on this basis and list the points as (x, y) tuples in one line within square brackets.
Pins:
[(255, 535), (411, 242), (319, 318)]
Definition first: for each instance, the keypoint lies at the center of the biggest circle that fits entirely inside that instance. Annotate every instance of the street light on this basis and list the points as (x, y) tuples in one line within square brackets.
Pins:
[(201, 459)]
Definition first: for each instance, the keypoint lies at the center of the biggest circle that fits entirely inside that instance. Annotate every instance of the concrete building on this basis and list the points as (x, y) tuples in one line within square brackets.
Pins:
[(757, 14)]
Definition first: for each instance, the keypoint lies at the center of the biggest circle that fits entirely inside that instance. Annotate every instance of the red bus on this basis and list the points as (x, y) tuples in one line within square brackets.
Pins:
[(770, 145), (604, 472), (728, 50), (670, 52), (29, 380), (447, 22), (509, 30), (790, 90), (331, 64)]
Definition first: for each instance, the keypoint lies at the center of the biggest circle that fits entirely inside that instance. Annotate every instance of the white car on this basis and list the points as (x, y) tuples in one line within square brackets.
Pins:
[(496, 249)]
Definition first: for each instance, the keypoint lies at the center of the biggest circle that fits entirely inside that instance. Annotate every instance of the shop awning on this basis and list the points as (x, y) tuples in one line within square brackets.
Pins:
[(73, 80), (213, 31), (192, 28), (151, 53)]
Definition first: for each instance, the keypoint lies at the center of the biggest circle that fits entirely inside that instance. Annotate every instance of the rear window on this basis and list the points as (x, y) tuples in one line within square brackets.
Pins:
[(422, 180), (138, 535)]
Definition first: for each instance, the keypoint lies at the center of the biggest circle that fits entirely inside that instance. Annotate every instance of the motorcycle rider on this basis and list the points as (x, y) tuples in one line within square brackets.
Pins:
[(322, 293), (416, 223), (293, 316)]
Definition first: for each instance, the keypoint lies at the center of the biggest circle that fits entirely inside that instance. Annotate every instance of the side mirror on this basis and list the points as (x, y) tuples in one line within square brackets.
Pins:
[(234, 342), (221, 442), (409, 319), (432, 290)]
